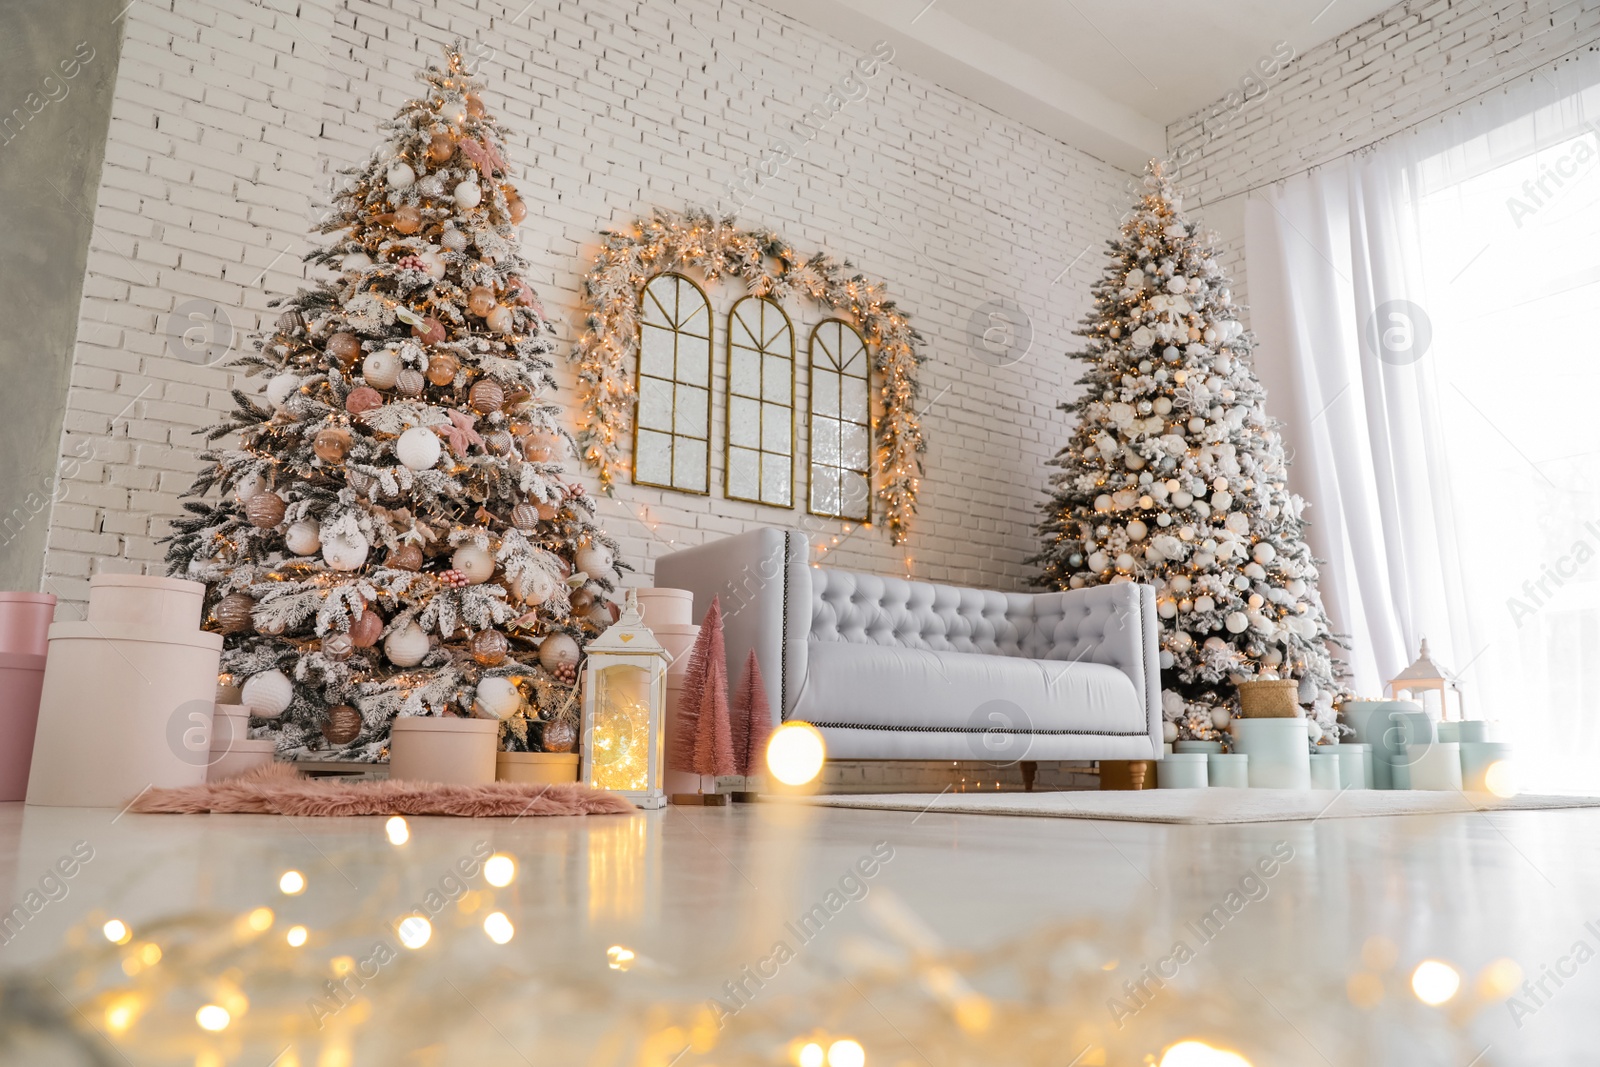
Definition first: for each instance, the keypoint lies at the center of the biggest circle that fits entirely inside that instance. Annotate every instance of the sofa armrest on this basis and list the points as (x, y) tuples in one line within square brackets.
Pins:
[(1111, 624), (764, 583)]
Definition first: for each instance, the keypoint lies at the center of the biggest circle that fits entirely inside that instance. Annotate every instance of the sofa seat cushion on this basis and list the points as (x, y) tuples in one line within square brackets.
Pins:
[(883, 687)]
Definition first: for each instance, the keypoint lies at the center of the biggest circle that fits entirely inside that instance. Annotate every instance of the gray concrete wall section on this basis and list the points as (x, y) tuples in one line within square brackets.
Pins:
[(58, 70)]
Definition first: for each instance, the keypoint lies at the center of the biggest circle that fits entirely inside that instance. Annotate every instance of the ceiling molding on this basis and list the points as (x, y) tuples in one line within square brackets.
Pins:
[(990, 72)]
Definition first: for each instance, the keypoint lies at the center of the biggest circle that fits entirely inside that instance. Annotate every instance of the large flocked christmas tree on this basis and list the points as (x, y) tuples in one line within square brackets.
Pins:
[(397, 533), (1174, 477)]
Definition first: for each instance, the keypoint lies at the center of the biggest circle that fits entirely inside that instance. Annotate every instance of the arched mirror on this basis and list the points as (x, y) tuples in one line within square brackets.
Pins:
[(672, 422), (841, 423), (760, 404)]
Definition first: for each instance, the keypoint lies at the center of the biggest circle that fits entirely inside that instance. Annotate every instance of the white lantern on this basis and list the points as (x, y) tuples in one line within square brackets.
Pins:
[(474, 562), (346, 553), (303, 537), (624, 693), (1422, 677), (497, 698), (407, 646), (267, 694), (418, 448)]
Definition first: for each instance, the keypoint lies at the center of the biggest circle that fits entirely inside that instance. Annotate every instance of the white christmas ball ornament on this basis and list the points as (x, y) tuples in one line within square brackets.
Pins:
[(406, 647), (534, 585), (1264, 553), (454, 240), (468, 195), (593, 560), (474, 562), (356, 261), (1137, 530), (267, 694), (1167, 609), (1222, 501), (557, 651), (1203, 603), (1098, 561), (1169, 732), (499, 320), (381, 369), (497, 698), (1125, 562), (1237, 622), (432, 265), (345, 553), (401, 175), (1220, 718), (453, 111), (1102, 502), (418, 448), (303, 537), (249, 486), (280, 388)]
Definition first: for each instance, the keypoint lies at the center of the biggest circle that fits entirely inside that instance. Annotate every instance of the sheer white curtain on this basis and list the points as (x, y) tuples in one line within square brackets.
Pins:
[(1436, 301)]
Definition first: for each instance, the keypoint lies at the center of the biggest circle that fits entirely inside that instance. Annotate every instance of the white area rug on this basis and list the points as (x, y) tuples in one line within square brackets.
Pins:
[(1201, 806)]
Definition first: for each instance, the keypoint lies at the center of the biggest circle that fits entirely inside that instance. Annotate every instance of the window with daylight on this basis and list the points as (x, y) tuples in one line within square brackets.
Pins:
[(672, 425), (841, 432), (760, 403)]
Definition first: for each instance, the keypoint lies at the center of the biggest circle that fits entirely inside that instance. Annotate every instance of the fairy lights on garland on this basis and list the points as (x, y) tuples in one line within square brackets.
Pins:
[(769, 266)]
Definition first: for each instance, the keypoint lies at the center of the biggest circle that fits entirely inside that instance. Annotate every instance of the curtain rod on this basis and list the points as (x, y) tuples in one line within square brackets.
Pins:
[(1374, 142)]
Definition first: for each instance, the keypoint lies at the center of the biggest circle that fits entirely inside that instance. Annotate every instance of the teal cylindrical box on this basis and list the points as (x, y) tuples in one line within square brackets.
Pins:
[(1355, 765), (1182, 770), (1228, 770)]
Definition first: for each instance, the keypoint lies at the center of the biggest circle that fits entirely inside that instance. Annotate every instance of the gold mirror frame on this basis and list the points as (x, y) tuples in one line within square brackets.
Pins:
[(677, 382), (840, 421), (759, 334)]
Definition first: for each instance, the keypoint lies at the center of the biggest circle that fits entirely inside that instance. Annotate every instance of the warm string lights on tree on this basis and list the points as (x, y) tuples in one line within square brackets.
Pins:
[(1175, 477), (397, 531), (768, 266)]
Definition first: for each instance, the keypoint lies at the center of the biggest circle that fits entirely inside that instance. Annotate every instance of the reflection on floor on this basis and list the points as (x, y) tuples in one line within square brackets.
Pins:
[(772, 934)]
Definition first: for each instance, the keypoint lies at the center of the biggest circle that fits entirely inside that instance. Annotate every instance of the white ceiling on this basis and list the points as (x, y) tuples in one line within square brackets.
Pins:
[(1104, 75)]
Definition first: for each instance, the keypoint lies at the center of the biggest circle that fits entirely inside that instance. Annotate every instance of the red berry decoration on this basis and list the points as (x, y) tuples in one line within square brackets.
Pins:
[(454, 579), (411, 263)]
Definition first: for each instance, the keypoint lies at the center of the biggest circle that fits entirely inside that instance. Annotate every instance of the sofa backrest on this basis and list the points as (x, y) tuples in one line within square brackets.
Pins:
[(872, 610)]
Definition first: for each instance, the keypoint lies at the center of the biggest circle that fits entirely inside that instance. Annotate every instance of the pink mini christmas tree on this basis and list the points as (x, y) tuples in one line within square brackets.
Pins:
[(752, 719), (703, 737)]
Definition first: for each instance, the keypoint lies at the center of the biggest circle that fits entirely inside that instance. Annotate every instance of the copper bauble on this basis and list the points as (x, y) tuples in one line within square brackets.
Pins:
[(486, 397), (331, 444), (489, 647), (517, 209), (344, 347), (559, 736), (405, 558), (440, 147), (475, 106), (291, 321), (264, 510), (525, 517), (338, 646), (481, 301), (343, 725), (407, 219), (409, 382), (442, 369), (430, 331), (363, 398), (233, 613), (366, 630), (498, 442)]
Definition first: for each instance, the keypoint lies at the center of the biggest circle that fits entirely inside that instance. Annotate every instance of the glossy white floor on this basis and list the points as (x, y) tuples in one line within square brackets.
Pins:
[(930, 940)]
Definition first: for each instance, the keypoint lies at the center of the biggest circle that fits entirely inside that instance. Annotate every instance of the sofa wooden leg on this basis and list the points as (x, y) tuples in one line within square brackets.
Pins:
[(1029, 769)]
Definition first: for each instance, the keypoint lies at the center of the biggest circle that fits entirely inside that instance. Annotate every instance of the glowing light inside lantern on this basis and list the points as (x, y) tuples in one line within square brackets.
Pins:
[(795, 753), (621, 739)]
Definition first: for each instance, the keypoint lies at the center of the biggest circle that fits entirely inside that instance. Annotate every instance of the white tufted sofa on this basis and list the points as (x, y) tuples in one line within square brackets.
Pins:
[(892, 669)]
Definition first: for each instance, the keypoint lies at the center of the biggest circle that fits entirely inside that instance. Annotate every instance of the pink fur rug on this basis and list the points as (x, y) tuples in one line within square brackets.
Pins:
[(278, 789)]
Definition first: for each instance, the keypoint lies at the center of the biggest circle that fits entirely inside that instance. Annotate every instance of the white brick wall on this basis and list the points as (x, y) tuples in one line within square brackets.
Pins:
[(231, 118), (1418, 60)]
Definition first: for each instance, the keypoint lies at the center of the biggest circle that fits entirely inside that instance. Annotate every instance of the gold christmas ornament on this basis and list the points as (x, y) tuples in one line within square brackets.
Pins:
[(344, 347), (366, 630), (338, 646), (265, 510), (442, 369), (517, 209), (407, 219), (498, 442), (475, 106), (233, 613), (525, 517), (559, 736), (331, 444), (486, 397), (405, 558), (440, 147), (489, 647), (343, 725), (481, 301)]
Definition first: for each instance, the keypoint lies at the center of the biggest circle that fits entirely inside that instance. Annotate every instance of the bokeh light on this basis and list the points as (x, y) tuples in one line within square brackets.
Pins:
[(795, 753), (117, 932), (213, 1017), (414, 931), (499, 870), (1435, 982), (498, 927), (399, 833), (292, 883)]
